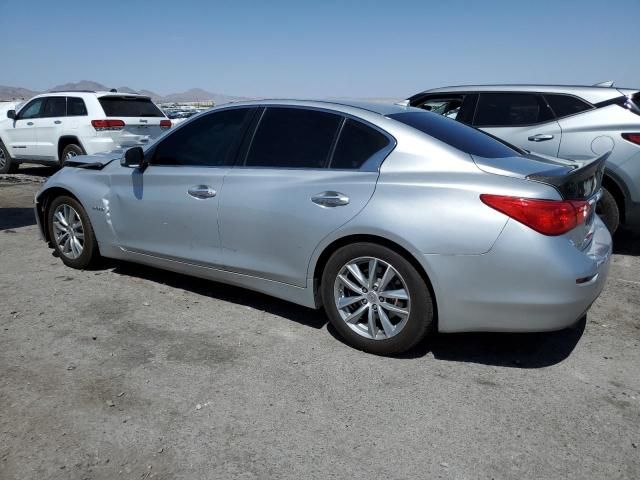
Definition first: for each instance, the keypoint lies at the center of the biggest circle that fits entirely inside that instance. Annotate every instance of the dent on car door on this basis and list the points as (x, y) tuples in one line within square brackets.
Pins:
[(170, 210), (22, 134), (523, 119), (305, 174)]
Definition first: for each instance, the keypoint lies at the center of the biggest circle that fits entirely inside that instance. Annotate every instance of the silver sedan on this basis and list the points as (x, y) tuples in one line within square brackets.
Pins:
[(399, 222)]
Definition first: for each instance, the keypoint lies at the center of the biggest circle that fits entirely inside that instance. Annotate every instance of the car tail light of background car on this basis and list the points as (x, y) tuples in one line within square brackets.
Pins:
[(101, 125), (632, 137), (165, 123), (549, 217)]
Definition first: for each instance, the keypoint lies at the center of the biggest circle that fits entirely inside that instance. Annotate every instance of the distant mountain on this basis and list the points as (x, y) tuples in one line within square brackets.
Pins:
[(191, 95)]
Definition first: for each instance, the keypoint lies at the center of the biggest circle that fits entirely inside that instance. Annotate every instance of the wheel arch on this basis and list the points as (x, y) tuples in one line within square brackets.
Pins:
[(66, 140), (338, 243)]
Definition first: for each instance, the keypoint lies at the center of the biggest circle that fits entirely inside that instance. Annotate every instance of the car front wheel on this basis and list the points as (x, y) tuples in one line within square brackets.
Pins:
[(376, 299), (71, 233), (7, 165)]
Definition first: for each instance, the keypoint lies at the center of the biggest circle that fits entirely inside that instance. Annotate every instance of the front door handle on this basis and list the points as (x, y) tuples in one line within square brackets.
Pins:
[(330, 199), (541, 137), (29, 123), (202, 191), (57, 122)]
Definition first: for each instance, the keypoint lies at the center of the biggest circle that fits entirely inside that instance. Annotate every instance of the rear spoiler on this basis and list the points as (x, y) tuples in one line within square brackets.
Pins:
[(580, 183)]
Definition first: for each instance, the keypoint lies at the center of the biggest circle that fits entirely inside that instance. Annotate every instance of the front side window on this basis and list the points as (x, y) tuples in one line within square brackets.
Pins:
[(33, 109), (357, 143), (124, 106), (55, 107), (565, 105), (456, 134), (208, 141), (510, 110), (448, 106), (293, 138), (76, 107)]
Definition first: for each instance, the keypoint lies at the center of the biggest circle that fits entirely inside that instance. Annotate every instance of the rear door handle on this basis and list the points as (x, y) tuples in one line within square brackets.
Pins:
[(57, 122), (330, 199), (202, 191), (541, 137), (29, 123)]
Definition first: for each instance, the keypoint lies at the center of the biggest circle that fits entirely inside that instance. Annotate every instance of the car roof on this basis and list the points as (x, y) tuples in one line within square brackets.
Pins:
[(340, 105), (82, 93), (591, 94)]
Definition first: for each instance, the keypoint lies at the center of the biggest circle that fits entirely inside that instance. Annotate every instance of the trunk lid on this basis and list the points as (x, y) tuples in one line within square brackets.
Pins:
[(574, 180), (140, 115)]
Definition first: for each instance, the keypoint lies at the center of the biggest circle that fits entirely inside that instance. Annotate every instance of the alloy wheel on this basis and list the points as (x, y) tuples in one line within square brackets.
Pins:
[(3, 159), (68, 231), (372, 298), (70, 154)]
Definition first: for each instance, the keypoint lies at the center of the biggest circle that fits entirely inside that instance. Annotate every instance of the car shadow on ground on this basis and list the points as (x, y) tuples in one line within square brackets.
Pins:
[(220, 291), (627, 242), (11, 218), (530, 350)]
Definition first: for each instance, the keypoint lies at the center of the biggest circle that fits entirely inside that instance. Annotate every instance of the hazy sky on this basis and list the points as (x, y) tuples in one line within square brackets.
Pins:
[(317, 48)]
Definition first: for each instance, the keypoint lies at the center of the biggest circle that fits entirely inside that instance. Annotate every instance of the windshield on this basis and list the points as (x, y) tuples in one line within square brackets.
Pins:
[(458, 135), (116, 106)]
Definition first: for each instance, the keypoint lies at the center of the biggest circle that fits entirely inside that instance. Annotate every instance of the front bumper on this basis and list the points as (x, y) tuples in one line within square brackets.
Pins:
[(526, 283)]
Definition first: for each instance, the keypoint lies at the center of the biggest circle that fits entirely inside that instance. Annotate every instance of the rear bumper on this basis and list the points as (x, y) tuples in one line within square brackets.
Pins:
[(525, 283)]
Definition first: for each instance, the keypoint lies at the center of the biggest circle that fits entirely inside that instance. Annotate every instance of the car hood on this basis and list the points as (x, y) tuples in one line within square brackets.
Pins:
[(96, 161)]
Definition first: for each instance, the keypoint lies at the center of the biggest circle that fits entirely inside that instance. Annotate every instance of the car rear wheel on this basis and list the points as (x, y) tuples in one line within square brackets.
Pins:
[(607, 209), (71, 233), (69, 152), (376, 299), (7, 165)]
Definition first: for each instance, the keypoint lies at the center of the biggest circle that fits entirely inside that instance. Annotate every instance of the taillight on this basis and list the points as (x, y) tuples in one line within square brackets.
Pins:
[(632, 137), (165, 123), (549, 217), (107, 124)]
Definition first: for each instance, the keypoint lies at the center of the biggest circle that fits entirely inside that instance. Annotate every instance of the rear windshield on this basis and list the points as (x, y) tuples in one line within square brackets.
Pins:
[(114, 106), (456, 134), (636, 100)]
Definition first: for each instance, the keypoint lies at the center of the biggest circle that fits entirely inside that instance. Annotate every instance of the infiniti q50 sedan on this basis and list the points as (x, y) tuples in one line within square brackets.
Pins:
[(398, 221)]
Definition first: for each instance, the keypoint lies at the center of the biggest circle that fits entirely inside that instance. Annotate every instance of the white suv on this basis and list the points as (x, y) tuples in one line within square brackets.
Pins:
[(55, 126)]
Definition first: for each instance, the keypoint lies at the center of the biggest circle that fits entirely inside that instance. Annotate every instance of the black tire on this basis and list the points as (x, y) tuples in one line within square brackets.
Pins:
[(70, 150), (90, 253), (420, 319), (7, 164), (607, 209)]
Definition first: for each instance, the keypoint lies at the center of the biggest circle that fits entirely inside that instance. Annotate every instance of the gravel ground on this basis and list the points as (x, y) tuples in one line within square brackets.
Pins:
[(131, 372)]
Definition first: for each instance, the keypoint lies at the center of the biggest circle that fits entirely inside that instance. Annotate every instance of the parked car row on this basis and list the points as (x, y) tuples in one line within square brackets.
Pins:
[(57, 126), (397, 221)]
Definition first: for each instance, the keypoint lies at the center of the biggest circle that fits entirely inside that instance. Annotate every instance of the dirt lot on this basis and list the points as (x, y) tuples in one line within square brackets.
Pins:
[(131, 372)]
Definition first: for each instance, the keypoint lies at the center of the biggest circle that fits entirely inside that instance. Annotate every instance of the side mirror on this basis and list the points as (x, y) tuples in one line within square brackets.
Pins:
[(11, 114), (134, 158)]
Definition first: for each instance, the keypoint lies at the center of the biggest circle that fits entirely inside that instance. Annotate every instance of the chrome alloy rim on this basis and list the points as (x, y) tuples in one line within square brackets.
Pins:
[(3, 159), (372, 298), (68, 231), (70, 154)]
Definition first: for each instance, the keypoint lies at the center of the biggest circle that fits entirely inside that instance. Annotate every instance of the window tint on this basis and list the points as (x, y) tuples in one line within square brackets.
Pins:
[(115, 106), (448, 106), (456, 134), (32, 109), (55, 107), (357, 143), (75, 107), (293, 138), (565, 105), (510, 109), (206, 141)]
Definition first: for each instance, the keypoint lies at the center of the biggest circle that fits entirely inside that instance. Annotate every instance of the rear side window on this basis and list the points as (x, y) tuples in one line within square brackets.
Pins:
[(118, 106), (55, 107), (510, 110), (456, 134), (449, 106), (565, 105), (357, 143), (75, 107), (208, 141), (293, 138)]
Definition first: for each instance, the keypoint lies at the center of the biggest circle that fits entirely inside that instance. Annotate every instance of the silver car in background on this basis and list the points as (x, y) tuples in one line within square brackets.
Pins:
[(573, 122), (397, 221)]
